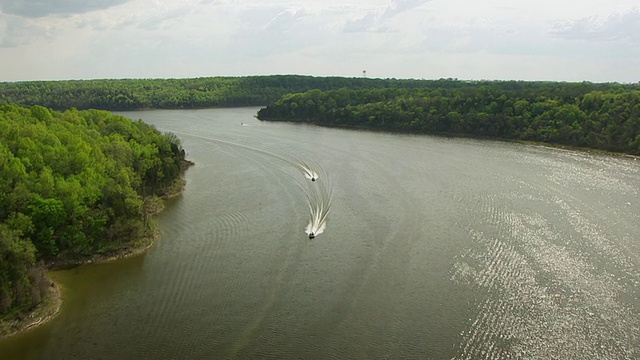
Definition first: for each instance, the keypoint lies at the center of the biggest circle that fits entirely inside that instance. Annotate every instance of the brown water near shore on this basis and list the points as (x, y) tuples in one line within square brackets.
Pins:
[(46, 311), (50, 305)]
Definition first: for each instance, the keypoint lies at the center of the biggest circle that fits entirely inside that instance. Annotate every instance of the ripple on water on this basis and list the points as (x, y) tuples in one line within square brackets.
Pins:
[(542, 299)]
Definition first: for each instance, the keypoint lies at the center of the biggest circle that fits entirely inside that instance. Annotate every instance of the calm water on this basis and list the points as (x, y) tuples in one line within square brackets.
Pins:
[(432, 248)]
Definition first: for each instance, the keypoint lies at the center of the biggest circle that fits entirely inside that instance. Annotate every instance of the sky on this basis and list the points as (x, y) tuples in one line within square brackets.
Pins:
[(557, 40)]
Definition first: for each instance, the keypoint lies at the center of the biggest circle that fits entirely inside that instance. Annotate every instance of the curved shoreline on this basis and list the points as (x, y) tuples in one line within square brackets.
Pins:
[(51, 304), (41, 314)]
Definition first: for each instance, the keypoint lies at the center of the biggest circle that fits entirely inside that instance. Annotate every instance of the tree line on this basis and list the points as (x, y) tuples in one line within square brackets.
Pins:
[(136, 94), (73, 184), (206, 92), (574, 114)]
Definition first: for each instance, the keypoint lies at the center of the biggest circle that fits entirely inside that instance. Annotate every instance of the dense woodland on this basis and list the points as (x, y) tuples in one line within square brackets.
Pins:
[(593, 115), (574, 114), (135, 94), (73, 184)]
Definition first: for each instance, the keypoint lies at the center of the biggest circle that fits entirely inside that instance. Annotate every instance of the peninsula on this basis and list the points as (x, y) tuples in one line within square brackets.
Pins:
[(77, 187)]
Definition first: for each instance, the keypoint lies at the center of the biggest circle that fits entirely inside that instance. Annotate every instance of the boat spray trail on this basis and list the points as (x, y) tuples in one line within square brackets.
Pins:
[(318, 190)]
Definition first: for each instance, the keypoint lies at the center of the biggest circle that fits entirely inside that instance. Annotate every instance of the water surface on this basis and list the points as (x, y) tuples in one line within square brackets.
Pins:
[(432, 248)]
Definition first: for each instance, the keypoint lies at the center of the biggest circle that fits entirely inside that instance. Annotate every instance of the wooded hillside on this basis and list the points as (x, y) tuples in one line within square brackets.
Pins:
[(73, 184)]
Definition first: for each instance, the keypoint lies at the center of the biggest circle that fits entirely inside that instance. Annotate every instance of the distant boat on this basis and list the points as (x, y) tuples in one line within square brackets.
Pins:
[(311, 235)]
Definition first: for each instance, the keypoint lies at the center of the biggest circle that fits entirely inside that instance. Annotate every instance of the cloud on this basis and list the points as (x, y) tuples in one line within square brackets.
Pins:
[(389, 38), (362, 24), (284, 21), (400, 6), (289, 30), (40, 8), (16, 31), (374, 21), (622, 26), (157, 20)]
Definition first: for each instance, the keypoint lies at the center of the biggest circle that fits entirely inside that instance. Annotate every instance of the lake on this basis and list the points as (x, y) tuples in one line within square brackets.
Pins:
[(425, 247)]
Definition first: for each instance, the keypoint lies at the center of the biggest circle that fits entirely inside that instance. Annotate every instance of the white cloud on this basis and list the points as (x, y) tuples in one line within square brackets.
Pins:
[(17, 31), (617, 27), (39, 8), (574, 40), (374, 20)]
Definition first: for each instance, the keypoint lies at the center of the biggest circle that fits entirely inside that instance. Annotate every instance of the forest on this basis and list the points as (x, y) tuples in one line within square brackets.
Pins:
[(573, 114), (73, 184), (137, 94), (583, 114)]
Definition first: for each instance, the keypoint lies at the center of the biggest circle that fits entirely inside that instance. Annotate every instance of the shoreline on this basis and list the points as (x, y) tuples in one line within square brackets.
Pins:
[(455, 135), (51, 304), (41, 314)]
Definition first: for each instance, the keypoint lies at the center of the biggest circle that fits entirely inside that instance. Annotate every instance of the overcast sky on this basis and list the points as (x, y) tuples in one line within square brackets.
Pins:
[(565, 40)]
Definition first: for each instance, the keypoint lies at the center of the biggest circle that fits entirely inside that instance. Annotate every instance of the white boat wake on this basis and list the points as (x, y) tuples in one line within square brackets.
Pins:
[(318, 191), (308, 172), (319, 197), (318, 222)]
